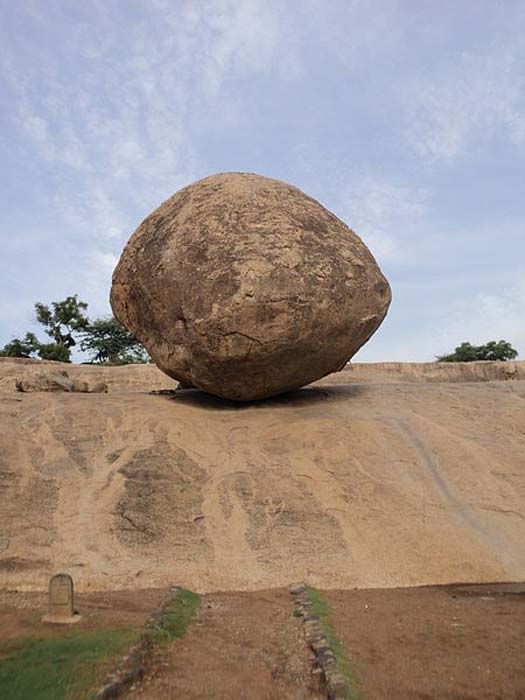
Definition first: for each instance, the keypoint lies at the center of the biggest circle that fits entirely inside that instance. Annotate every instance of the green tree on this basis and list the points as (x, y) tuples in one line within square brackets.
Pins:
[(20, 347), (63, 319), (54, 351), (466, 352), (66, 323), (501, 350), (111, 343)]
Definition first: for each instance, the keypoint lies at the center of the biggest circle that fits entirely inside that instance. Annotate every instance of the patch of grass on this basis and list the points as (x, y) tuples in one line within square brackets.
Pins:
[(61, 667), (321, 608), (175, 618), (71, 664)]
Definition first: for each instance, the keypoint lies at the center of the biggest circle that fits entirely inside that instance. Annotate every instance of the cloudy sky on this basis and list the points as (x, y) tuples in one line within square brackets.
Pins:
[(406, 119)]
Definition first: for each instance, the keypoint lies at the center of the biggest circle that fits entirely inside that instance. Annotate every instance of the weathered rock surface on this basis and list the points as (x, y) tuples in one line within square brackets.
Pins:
[(148, 378), (52, 381), (349, 482), (57, 381), (245, 287)]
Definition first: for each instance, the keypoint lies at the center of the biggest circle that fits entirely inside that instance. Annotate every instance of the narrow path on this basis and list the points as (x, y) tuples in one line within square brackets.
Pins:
[(240, 645)]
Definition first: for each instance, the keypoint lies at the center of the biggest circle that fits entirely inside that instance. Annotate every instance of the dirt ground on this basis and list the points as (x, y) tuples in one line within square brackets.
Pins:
[(463, 642), (241, 645), (21, 613), (435, 643)]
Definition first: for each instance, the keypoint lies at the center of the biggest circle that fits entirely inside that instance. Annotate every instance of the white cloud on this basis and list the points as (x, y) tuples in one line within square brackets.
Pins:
[(104, 261), (95, 280), (120, 118), (359, 34), (121, 104), (94, 213), (383, 214), (11, 311), (36, 127), (239, 36), (487, 316), (467, 100), (444, 322)]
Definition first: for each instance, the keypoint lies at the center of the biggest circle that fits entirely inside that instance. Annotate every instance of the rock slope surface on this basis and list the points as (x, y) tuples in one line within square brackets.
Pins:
[(341, 484)]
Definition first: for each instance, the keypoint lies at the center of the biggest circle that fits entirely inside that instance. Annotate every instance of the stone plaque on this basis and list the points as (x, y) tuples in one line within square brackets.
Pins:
[(61, 595), (61, 607)]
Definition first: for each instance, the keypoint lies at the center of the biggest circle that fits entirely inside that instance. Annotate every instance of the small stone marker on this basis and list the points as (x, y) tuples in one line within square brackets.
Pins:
[(61, 610)]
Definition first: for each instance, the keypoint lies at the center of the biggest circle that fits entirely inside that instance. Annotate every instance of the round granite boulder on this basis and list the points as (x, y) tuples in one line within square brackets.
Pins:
[(245, 287)]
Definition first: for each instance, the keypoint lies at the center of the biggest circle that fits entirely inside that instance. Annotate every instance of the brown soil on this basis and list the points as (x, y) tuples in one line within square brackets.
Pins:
[(435, 643), (21, 613), (242, 645)]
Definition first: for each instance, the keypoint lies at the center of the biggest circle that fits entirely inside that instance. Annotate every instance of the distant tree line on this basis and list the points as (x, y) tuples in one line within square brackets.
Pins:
[(466, 352), (108, 342), (66, 323)]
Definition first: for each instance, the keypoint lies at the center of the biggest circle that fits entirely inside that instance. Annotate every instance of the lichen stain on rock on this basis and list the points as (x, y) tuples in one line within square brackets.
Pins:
[(162, 498)]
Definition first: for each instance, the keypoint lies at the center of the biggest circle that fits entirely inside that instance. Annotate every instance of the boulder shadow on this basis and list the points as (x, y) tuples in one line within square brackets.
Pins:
[(306, 396)]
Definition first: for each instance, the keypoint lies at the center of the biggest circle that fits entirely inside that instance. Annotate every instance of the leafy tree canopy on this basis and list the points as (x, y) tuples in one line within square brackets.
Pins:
[(466, 352), (20, 347), (63, 319), (66, 323), (54, 351), (112, 343)]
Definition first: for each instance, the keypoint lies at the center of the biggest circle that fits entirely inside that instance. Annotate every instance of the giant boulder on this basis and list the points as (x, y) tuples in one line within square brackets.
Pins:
[(245, 287)]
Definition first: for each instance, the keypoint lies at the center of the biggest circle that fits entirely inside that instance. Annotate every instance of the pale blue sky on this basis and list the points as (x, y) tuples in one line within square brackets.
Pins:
[(407, 119)]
